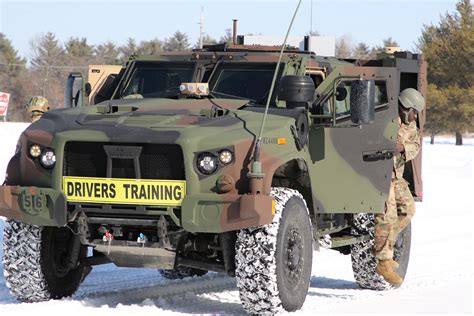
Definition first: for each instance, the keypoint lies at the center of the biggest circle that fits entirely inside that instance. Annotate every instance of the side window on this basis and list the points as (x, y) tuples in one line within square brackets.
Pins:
[(340, 100), (343, 107), (317, 79), (380, 93)]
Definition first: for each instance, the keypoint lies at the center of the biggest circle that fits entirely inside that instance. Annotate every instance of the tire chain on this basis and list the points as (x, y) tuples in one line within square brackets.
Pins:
[(21, 262), (256, 274), (363, 258)]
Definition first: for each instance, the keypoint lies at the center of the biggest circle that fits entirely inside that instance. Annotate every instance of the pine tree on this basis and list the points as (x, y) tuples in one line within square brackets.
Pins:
[(435, 111), (128, 49), (151, 47), (47, 51), (11, 64), (206, 40), (107, 53), (48, 65), (449, 50), (178, 42), (361, 51), (387, 42), (78, 47)]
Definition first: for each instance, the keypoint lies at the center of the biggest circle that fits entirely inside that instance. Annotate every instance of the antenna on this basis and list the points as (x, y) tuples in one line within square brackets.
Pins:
[(201, 28), (311, 20), (255, 173)]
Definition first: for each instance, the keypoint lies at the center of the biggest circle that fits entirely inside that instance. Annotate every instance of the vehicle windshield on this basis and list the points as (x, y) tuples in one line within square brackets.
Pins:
[(155, 80), (250, 81)]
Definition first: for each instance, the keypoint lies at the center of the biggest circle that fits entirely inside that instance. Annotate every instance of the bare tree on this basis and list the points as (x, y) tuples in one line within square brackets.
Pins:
[(227, 37), (344, 47)]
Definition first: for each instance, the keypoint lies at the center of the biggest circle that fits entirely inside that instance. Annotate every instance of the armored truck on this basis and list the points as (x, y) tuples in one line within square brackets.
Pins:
[(235, 159)]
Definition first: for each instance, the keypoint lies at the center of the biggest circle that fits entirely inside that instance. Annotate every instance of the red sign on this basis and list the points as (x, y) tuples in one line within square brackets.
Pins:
[(4, 99)]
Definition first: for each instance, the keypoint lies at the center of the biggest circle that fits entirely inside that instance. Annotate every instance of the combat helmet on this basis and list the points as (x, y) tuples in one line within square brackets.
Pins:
[(412, 99), (37, 106)]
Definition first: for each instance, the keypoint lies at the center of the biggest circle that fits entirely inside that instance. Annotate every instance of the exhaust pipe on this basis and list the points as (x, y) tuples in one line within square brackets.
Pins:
[(234, 32)]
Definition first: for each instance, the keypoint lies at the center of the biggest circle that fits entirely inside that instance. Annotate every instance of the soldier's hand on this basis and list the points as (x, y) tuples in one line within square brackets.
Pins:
[(400, 148)]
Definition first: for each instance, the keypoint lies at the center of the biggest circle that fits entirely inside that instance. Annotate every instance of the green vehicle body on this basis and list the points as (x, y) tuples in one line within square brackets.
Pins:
[(340, 167)]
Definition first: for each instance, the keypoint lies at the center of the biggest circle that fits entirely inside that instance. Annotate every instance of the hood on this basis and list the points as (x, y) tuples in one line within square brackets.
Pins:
[(146, 120), (158, 112)]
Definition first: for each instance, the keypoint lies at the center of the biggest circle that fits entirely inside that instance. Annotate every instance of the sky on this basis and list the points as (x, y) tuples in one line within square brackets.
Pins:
[(368, 21)]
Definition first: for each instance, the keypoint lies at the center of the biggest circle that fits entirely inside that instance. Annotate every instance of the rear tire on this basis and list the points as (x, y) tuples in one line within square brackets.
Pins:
[(273, 262), (364, 260), (181, 272), (35, 262)]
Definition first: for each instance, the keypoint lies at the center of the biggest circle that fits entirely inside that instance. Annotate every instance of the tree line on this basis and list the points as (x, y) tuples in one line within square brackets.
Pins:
[(448, 48), (46, 72)]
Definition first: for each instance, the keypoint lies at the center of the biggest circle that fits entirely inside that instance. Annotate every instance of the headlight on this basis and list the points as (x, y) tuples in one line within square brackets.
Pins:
[(225, 157), (48, 158), (207, 163), (35, 151)]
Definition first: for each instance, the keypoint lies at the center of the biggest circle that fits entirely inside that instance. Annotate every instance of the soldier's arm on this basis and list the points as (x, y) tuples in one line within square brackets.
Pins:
[(411, 143)]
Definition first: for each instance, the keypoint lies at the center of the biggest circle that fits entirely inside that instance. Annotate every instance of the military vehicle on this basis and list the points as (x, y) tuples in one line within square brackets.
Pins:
[(178, 164)]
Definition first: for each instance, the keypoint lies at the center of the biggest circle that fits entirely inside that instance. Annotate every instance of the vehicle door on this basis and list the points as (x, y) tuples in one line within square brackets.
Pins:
[(351, 164)]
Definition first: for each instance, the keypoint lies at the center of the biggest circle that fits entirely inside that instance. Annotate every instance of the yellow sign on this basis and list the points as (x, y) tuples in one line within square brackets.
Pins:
[(124, 191)]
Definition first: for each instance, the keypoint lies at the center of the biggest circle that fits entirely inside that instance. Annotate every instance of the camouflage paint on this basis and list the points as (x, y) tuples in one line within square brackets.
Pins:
[(341, 182)]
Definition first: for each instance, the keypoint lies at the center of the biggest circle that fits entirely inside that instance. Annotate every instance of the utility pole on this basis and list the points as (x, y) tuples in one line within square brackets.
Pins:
[(201, 28)]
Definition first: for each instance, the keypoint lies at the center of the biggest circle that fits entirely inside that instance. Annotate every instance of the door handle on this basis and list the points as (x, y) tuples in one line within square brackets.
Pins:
[(377, 155)]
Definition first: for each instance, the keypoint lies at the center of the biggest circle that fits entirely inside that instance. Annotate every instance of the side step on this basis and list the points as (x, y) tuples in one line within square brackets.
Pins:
[(347, 240)]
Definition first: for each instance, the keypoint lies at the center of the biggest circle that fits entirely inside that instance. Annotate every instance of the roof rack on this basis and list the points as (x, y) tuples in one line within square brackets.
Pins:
[(226, 47)]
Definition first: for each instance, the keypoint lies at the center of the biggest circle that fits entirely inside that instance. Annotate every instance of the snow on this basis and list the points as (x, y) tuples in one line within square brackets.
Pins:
[(439, 278)]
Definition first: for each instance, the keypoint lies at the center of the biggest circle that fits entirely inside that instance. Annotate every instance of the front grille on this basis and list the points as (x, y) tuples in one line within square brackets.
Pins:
[(156, 161)]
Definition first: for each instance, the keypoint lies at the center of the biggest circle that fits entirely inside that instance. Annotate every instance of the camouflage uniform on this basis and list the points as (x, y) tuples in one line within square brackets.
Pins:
[(400, 206), (37, 106)]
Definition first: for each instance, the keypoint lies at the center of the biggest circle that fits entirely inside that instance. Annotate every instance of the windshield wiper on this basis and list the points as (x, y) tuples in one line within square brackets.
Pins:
[(168, 93), (230, 95)]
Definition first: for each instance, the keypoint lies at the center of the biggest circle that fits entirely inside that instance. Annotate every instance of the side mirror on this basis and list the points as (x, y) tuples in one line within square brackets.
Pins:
[(87, 89), (363, 101), (341, 92), (296, 91), (73, 91)]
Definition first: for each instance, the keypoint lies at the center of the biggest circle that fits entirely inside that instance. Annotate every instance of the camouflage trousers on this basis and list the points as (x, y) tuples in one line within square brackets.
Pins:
[(399, 210)]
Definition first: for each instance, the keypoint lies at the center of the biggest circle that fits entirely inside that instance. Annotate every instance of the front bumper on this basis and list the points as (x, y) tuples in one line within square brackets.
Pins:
[(217, 213), (210, 213), (33, 205)]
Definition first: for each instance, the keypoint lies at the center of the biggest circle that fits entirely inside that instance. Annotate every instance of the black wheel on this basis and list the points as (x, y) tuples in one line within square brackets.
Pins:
[(181, 272), (35, 262), (363, 258), (273, 262)]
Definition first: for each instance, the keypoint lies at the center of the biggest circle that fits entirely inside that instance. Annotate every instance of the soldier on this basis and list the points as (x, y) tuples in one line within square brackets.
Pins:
[(37, 106), (400, 206)]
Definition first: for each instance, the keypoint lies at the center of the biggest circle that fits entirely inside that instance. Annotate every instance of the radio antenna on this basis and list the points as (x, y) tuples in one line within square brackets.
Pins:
[(256, 167)]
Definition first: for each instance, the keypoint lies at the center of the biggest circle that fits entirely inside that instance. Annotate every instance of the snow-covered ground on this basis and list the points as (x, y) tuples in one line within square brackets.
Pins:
[(439, 278)]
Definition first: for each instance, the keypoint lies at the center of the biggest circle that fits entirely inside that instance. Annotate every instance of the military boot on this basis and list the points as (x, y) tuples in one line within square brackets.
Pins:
[(384, 269), (394, 264)]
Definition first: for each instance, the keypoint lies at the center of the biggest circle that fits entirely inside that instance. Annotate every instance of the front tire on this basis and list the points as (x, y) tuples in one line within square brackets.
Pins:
[(35, 262), (364, 260), (273, 262)]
